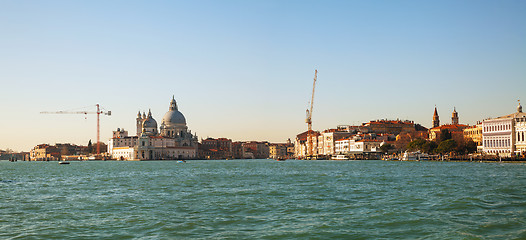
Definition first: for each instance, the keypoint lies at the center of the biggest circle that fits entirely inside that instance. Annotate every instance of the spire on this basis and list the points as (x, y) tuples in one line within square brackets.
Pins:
[(149, 113), (139, 114), (436, 120), (173, 104), (519, 108), (143, 115)]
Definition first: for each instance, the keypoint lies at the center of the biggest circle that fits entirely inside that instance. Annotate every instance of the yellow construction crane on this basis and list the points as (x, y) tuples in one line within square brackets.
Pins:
[(98, 112), (308, 120)]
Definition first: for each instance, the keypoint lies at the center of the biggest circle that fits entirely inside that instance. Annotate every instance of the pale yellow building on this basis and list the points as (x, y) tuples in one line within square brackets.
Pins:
[(474, 133)]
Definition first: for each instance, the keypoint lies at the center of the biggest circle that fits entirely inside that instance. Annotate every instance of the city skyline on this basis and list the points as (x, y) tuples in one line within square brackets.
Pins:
[(244, 70)]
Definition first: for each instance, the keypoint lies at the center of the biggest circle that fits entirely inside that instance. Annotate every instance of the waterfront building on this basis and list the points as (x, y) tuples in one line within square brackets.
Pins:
[(290, 148), (281, 150), (326, 141), (391, 127), (238, 151), (355, 145), (259, 150), (520, 132), (403, 139), (211, 148), (403, 131), (61, 151), (456, 131), (173, 141), (302, 144), (474, 133), (504, 136), (44, 152), (14, 156), (277, 150), (72, 149)]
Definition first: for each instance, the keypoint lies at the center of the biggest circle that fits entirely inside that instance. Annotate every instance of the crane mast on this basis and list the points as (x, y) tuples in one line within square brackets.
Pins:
[(309, 111), (98, 112), (308, 120)]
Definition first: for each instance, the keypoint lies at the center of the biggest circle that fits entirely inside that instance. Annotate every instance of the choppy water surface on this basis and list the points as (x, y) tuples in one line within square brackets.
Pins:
[(245, 199)]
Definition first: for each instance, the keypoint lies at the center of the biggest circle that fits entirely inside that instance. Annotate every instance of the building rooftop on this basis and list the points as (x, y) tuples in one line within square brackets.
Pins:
[(458, 127)]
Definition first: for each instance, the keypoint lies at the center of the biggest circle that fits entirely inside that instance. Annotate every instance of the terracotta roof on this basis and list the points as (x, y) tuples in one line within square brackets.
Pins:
[(451, 127), (343, 139), (303, 135), (390, 122), (157, 137), (368, 140), (331, 130)]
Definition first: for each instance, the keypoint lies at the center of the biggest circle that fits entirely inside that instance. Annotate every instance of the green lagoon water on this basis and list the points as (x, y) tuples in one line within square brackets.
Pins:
[(262, 199)]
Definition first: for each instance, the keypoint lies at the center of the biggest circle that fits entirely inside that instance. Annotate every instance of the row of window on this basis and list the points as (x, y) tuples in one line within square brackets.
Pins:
[(520, 137), (498, 151), (497, 143), (493, 128), (474, 132)]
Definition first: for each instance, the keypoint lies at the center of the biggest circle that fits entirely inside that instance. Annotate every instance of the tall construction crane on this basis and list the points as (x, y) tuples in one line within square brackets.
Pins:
[(98, 112), (308, 120)]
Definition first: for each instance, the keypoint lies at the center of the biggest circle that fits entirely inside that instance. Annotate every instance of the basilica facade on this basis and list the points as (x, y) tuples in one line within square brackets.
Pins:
[(172, 140)]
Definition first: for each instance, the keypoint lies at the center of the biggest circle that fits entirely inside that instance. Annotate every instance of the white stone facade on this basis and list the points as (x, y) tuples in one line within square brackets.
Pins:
[(173, 141), (502, 136), (346, 146), (520, 135)]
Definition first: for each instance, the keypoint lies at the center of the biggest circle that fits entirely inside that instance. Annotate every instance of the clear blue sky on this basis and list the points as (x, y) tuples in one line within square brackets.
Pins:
[(244, 69)]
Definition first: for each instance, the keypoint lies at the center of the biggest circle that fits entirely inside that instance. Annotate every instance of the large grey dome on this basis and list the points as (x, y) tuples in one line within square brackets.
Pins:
[(173, 117)]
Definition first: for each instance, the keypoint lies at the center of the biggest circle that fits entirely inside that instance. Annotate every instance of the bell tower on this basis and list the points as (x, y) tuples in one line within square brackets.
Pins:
[(436, 120), (454, 117), (139, 123)]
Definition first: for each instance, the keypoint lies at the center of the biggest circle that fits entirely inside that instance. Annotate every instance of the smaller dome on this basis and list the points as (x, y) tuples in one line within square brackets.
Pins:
[(149, 122), (519, 108)]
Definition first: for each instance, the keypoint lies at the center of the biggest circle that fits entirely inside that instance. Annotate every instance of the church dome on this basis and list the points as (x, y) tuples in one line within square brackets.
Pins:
[(173, 117), (149, 122)]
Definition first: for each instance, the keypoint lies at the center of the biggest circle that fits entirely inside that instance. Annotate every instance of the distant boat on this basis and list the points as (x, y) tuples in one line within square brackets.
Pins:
[(340, 157), (63, 162), (281, 159), (414, 156)]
